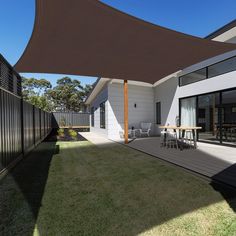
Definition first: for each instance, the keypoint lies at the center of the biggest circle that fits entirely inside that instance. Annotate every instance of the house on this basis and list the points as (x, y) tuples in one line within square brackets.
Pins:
[(203, 94)]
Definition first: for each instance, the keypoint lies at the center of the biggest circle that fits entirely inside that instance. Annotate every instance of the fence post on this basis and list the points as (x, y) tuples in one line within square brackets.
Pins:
[(22, 126), (34, 125), (40, 132), (72, 121)]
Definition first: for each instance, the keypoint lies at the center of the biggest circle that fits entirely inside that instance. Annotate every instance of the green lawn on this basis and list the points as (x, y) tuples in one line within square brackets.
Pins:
[(76, 188)]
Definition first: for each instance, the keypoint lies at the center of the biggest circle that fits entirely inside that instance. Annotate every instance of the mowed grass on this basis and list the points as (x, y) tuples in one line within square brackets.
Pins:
[(76, 188)]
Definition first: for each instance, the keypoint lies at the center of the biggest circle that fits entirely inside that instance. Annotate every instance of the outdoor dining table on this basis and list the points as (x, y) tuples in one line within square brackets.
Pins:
[(182, 130)]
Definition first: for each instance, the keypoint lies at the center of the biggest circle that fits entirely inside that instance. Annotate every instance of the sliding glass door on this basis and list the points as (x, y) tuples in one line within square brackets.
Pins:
[(188, 111), (229, 117), (208, 117), (215, 113)]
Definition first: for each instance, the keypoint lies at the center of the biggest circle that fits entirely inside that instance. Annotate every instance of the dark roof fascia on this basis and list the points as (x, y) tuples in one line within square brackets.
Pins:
[(3, 59), (222, 30)]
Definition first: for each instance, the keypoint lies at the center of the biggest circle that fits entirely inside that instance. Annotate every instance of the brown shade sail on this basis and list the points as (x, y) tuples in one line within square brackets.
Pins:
[(87, 37)]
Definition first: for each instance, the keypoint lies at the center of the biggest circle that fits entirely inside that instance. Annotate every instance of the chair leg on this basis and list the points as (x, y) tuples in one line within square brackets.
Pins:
[(176, 140)]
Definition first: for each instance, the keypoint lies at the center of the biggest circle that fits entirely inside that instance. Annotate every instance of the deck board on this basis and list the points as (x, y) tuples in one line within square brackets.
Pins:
[(214, 161)]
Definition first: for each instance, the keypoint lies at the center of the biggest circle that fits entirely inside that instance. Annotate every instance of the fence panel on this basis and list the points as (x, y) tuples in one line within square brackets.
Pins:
[(42, 120), (37, 124), (10, 128), (70, 119), (22, 126), (28, 117)]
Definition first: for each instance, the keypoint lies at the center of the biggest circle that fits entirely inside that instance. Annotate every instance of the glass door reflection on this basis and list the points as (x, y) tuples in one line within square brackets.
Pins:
[(209, 117), (229, 117)]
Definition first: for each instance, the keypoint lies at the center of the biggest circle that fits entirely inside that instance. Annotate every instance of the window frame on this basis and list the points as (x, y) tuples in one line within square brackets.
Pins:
[(92, 116), (158, 113), (181, 77), (102, 107), (221, 113), (207, 73)]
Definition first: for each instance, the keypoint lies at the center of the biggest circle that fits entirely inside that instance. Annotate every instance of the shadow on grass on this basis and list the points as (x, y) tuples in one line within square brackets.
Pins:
[(113, 190), (229, 193), (22, 191)]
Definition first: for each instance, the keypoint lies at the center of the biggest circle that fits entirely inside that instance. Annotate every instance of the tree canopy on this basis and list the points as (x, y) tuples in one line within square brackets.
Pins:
[(67, 95)]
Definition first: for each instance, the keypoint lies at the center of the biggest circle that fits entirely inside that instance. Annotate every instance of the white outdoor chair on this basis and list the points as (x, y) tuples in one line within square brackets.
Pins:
[(145, 128), (172, 139), (122, 135)]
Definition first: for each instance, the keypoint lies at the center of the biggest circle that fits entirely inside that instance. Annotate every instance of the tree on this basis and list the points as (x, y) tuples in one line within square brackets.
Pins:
[(67, 95), (86, 90), (35, 92), (35, 86)]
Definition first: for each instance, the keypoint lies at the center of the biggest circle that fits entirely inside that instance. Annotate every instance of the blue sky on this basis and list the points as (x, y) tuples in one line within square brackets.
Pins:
[(198, 18)]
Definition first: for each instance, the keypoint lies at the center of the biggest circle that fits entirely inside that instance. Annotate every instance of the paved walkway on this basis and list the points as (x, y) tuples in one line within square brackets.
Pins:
[(96, 139)]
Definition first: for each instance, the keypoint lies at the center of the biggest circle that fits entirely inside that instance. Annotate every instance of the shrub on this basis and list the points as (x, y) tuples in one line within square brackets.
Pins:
[(73, 134), (61, 132)]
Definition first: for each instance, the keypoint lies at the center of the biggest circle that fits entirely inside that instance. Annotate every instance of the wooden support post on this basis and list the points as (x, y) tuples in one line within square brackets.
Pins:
[(126, 111)]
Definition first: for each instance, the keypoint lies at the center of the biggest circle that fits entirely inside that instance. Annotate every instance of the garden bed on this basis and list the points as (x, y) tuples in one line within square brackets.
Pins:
[(65, 134)]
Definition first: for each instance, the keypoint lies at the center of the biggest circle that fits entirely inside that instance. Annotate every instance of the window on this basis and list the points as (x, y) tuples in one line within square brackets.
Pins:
[(222, 67), (193, 77), (215, 113), (92, 116), (209, 72), (158, 113), (102, 115)]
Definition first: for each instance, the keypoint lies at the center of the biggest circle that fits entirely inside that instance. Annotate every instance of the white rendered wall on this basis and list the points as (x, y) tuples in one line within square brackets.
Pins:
[(168, 93), (101, 97), (140, 95)]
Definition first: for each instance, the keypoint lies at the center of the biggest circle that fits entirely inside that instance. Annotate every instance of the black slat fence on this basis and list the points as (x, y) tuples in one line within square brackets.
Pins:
[(22, 127)]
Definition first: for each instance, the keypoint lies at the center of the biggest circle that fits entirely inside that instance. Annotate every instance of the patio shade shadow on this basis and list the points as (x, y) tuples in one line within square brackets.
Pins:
[(22, 191), (228, 193), (227, 175)]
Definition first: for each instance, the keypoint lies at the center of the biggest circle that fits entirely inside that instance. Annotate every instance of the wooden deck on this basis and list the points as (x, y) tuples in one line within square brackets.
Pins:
[(212, 161)]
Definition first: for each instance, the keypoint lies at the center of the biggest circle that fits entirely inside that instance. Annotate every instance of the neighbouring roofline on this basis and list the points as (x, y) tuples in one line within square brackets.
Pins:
[(222, 30)]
